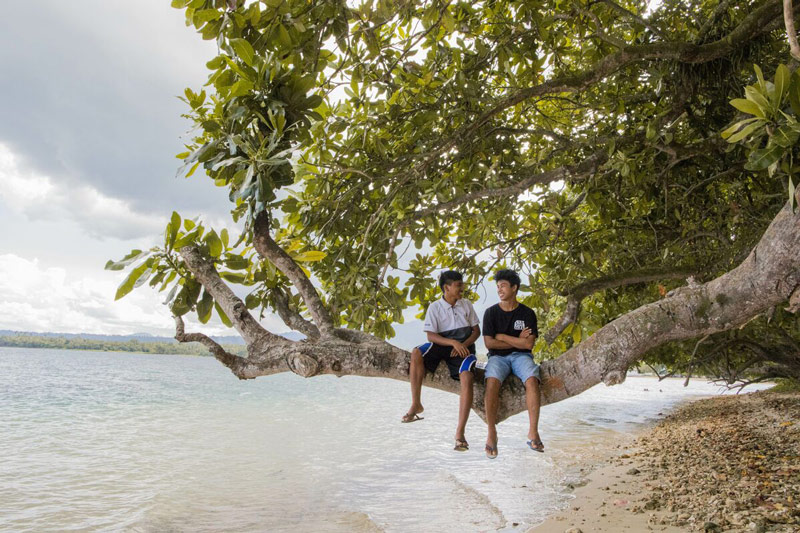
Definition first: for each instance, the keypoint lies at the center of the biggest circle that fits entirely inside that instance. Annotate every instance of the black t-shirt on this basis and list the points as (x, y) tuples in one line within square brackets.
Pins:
[(495, 321)]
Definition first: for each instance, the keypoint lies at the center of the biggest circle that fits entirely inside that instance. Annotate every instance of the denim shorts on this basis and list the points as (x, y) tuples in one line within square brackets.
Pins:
[(519, 363)]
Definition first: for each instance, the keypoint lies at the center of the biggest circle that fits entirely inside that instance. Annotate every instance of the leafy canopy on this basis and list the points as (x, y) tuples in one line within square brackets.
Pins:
[(571, 140)]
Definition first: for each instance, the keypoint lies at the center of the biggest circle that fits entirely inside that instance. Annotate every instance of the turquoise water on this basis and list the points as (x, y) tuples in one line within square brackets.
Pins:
[(103, 441)]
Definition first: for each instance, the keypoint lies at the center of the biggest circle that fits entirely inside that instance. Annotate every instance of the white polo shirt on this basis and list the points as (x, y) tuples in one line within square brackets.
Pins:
[(451, 321)]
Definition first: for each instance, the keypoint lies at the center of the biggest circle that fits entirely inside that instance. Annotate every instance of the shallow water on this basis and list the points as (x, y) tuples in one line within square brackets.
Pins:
[(115, 441)]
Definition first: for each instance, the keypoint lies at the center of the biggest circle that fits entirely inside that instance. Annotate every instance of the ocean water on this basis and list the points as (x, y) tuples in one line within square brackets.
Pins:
[(104, 441)]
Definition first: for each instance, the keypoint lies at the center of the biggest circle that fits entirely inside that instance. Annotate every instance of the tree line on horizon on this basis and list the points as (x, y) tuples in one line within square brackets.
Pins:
[(78, 343)]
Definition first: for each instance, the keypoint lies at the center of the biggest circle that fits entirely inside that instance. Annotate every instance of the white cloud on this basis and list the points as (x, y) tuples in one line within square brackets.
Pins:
[(42, 198), (36, 297)]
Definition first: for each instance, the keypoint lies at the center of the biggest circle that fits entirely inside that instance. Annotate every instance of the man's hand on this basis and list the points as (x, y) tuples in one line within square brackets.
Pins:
[(459, 350), (525, 333)]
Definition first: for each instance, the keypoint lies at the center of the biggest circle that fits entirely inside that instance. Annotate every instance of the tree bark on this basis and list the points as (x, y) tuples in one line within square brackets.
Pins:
[(769, 276)]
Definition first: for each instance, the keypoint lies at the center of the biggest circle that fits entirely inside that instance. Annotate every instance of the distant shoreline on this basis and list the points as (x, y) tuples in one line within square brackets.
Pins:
[(95, 345)]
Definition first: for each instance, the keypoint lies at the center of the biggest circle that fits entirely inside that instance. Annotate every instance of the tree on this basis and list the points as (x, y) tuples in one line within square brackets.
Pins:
[(603, 150)]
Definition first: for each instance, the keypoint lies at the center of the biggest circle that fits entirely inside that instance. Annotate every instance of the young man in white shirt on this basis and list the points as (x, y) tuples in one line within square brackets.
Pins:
[(451, 325)]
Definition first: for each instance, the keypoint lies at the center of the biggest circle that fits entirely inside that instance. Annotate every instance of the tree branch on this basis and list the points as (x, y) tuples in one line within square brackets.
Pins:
[(791, 33), (269, 249), (576, 294), (234, 362), (292, 318), (575, 172), (204, 271), (633, 16)]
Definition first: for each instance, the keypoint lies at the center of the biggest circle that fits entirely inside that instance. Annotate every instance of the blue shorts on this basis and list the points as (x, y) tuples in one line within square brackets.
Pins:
[(520, 363), (433, 354)]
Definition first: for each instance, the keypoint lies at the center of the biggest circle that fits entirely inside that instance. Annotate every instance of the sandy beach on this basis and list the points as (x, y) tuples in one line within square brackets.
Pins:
[(727, 463)]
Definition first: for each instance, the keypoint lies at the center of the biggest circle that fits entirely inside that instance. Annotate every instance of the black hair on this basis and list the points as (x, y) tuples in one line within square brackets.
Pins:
[(508, 275), (449, 276)]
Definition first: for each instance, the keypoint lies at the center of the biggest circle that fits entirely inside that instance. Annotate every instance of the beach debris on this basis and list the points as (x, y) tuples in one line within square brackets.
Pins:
[(723, 464)]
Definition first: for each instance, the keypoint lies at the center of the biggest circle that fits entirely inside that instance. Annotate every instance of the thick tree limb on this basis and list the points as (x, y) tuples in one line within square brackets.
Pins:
[(768, 277), (579, 292), (204, 271), (269, 249)]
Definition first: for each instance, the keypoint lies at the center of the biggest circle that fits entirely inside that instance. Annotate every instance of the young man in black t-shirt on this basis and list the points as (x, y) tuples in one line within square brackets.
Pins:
[(509, 332)]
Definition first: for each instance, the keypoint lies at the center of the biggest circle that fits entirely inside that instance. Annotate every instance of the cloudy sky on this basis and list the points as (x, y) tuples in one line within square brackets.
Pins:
[(89, 127)]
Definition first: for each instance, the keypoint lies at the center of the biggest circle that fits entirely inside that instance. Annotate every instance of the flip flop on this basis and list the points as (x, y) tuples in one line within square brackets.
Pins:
[(536, 445), (461, 445), (491, 451), (408, 418)]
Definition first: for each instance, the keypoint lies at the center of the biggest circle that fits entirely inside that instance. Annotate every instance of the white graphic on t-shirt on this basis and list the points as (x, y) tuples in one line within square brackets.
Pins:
[(519, 324)]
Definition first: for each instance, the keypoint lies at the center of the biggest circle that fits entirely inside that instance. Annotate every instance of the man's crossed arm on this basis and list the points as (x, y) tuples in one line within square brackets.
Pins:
[(501, 341)]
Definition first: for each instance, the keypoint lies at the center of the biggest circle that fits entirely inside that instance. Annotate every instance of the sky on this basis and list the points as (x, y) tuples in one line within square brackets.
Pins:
[(90, 123)]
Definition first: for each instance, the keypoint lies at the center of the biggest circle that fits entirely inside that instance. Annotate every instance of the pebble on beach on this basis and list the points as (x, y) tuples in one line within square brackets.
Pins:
[(729, 463)]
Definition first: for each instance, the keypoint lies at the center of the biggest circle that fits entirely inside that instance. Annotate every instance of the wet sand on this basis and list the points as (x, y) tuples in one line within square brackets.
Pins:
[(727, 463)]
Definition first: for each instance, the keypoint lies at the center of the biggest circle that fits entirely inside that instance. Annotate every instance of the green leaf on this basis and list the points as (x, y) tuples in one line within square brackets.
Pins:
[(125, 261), (204, 307), (191, 170), (205, 15), (172, 229), (130, 281), (576, 334), (764, 157), (233, 277), (252, 301), (745, 132), (244, 50), (759, 98), (241, 87), (223, 235), (222, 315), (782, 76), (283, 37), (310, 256), (760, 75), (214, 243), (188, 239), (236, 262), (786, 136), (730, 131), (749, 107)]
